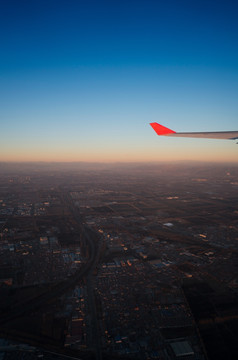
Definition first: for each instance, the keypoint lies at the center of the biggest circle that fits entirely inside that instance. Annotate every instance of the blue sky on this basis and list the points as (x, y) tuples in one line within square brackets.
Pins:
[(81, 80)]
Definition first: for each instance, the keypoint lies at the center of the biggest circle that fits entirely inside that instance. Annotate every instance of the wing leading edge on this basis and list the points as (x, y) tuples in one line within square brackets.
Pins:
[(164, 131)]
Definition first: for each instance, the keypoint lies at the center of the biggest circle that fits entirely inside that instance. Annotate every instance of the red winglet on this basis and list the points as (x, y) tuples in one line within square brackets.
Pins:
[(161, 130)]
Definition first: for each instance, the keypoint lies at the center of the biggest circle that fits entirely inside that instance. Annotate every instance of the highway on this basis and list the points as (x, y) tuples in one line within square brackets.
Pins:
[(56, 290), (51, 295)]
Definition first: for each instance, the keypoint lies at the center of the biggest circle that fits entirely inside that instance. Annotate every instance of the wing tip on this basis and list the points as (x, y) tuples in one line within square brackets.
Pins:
[(161, 130)]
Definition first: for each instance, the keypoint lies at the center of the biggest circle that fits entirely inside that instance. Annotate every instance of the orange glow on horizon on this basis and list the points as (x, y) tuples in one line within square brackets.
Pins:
[(150, 154)]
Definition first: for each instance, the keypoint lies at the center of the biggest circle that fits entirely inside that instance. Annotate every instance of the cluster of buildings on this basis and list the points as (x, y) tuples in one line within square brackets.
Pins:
[(156, 233), (134, 309)]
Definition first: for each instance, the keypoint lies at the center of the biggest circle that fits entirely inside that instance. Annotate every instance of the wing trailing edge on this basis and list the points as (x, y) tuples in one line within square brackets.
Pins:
[(164, 131)]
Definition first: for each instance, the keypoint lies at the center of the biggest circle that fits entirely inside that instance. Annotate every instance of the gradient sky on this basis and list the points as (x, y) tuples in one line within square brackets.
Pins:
[(81, 80)]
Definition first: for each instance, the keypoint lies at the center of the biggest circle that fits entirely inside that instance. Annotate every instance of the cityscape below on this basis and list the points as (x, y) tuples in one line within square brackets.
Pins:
[(118, 261), (118, 180)]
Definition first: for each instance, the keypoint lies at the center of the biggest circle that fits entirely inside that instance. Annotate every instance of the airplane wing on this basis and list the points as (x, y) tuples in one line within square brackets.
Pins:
[(162, 130)]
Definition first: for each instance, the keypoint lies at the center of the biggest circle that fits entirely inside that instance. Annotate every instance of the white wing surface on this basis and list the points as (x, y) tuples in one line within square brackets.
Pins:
[(162, 130)]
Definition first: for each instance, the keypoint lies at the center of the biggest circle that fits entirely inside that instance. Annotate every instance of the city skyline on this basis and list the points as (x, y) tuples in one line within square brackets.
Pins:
[(82, 81)]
